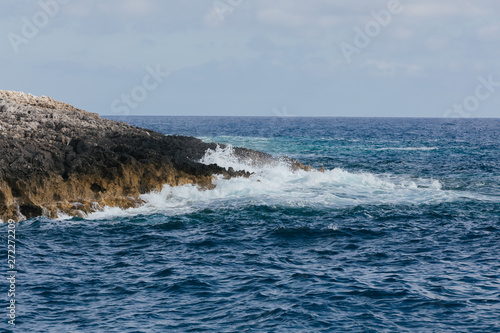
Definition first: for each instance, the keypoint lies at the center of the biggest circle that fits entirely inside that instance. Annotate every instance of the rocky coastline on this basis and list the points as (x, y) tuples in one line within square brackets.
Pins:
[(55, 158)]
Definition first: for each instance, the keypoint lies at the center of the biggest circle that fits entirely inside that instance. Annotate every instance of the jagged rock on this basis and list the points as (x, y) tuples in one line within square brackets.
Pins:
[(57, 158)]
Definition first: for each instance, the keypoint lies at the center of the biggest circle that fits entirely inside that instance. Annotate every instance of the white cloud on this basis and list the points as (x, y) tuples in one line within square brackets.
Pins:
[(128, 9), (403, 33), (301, 14), (441, 41), (445, 8), (489, 32), (436, 43), (391, 68)]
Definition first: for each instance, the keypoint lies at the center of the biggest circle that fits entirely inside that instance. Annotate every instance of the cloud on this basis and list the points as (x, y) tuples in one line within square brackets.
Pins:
[(320, 14), (113, 9), (392, 68), (259, 45), (447, 8), (490, 32)]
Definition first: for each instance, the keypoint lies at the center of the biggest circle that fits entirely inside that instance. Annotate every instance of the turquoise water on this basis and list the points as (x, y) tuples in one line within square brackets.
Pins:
[(400, 233)]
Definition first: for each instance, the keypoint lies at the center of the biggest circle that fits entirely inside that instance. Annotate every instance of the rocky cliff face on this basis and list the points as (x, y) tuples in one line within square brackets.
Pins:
[(57, 158)]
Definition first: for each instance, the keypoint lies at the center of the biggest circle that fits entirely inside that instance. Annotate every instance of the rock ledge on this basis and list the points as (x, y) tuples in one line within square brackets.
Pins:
[(55, 158)]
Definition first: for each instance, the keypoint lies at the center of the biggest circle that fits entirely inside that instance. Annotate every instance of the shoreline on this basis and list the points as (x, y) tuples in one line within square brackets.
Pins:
[(53, 155)]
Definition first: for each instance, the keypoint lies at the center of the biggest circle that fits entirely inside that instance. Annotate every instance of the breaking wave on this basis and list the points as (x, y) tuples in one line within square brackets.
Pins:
[(278, 186)]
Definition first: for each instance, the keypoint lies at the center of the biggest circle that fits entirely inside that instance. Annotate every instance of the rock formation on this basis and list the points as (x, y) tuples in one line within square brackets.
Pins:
[(57, 158)]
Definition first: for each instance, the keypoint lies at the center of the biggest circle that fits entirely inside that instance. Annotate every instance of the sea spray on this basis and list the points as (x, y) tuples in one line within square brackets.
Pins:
[(277, 185)]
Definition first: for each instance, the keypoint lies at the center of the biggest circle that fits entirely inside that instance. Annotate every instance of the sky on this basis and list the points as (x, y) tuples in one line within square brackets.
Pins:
[(280, 58)]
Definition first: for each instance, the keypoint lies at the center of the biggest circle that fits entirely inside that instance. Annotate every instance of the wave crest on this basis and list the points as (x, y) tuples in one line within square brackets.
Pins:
[(276, 184)]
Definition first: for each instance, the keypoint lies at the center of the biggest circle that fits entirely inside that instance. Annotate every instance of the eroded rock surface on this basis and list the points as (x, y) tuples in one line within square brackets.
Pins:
[(57, 158), (54, 157)]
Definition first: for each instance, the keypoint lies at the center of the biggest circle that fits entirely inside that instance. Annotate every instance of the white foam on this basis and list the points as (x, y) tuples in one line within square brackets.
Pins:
[(63, 216), (277, 185)]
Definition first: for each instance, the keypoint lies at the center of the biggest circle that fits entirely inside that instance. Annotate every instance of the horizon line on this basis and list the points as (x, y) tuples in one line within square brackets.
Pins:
[(292, 117)]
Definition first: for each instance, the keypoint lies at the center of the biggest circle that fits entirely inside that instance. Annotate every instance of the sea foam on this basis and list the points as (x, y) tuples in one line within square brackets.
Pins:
[(278, 185)]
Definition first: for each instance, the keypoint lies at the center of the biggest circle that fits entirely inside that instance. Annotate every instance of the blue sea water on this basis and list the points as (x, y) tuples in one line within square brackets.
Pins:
[(401, 233)]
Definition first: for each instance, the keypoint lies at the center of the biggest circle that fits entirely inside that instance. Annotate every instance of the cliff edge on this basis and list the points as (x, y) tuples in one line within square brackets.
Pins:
[(57, 158)]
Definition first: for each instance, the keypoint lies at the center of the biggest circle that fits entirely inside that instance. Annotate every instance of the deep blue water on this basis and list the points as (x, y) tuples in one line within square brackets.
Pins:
[(401, 233)]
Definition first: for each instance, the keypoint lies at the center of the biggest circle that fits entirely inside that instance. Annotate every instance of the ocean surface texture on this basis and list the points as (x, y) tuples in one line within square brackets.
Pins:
[(401, 233)]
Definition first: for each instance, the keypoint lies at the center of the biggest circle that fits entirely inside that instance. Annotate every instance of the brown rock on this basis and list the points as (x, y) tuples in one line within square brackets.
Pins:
[(57, 158)]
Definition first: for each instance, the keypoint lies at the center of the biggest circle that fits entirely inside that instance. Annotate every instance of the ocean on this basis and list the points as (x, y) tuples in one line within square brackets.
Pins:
[(401, 233)]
